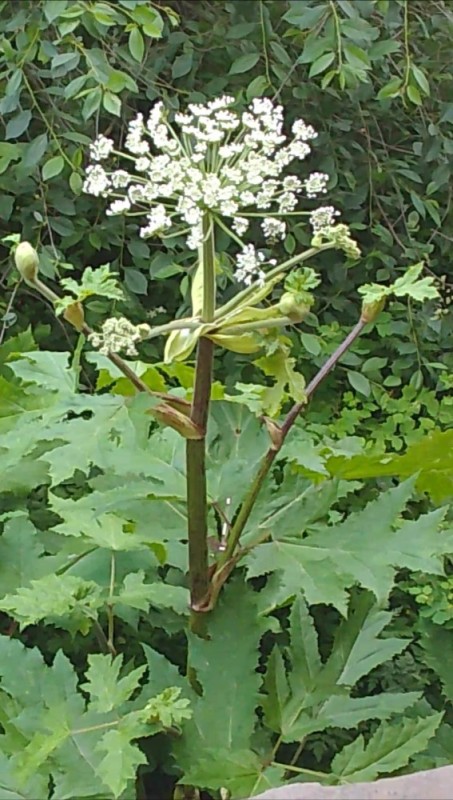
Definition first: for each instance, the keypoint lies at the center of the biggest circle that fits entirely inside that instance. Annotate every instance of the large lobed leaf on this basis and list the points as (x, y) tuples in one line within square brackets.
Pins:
[(366, 549)]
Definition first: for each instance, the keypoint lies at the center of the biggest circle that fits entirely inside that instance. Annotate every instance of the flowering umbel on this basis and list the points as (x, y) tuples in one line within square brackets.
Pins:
[(212, 159)]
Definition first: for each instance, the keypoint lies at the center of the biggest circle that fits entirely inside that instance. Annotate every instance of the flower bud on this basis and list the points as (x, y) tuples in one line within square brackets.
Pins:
[(75, 316), (238, 343), (289, 307), (370, 311), (27, 261)]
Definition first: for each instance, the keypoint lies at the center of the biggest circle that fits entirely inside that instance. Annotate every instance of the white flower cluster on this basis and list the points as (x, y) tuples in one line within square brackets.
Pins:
[(249, 265), (323, 217), (221, 160), (119, 335)]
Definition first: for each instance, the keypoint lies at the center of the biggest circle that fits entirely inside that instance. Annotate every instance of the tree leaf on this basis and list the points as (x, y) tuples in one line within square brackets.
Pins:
[(321, 64), (244, 63), (52, 168), (359, 382), (18, 125), (136, 45)]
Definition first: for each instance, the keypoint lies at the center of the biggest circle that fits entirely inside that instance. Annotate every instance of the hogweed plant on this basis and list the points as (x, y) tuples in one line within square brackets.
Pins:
[(187, 177)]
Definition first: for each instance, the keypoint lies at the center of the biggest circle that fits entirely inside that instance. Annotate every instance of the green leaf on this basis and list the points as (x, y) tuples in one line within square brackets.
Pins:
[(235, 632), (391, 89), (241, 772), (389, 749), (311, 343), (315, 695), (92, 102), (106, 689), (414, 95), (438, 650), (76, 183), (321, 64), (52, 168), (288, 382), (149, 19), (138, 594), (112, 103), (244, 63), (119, 766), (136, 281), (20, 554), (52, 597), (100, 281), (359, 382), (18, 125), (306, 662), (257, 87), (35, 151), (336, 557), (182, 65), (236, 443), (421, 78), (136, 45), (430, 459)]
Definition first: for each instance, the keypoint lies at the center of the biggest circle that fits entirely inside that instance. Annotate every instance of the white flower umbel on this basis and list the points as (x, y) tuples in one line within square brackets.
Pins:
[(273, 229), (211, 159), (249, 266), (216, 159), (323, 218), (119, 335)]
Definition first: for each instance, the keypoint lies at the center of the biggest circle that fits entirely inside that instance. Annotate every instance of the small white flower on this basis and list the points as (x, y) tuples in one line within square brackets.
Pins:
[(214, 159), (142, 164), (195, 238), (273, 229), (101, 148), (316, 183), (291, 184), (120, 179), (158, 221), (302, 131), (135, 142), (240, 225), (248, 266), (287, 202), (97, 181), (323, 218), (119, 207)]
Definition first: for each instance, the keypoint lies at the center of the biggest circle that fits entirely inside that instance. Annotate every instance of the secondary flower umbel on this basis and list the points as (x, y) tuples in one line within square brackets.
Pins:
[(215, 159)]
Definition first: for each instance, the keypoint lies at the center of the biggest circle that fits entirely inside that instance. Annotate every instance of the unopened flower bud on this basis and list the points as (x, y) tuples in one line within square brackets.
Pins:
[(27, 261), (75, 316), (290, 308), (370, 311)]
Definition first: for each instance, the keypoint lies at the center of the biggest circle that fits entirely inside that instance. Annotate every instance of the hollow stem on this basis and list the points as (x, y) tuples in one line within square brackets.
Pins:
[(197, 505)]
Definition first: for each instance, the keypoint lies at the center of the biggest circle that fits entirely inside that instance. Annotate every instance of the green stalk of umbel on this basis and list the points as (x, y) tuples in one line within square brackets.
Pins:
[(197, 501)]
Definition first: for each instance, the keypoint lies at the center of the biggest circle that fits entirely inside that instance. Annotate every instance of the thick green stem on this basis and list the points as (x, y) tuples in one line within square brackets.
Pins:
[(197, 504), (268, 459)]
